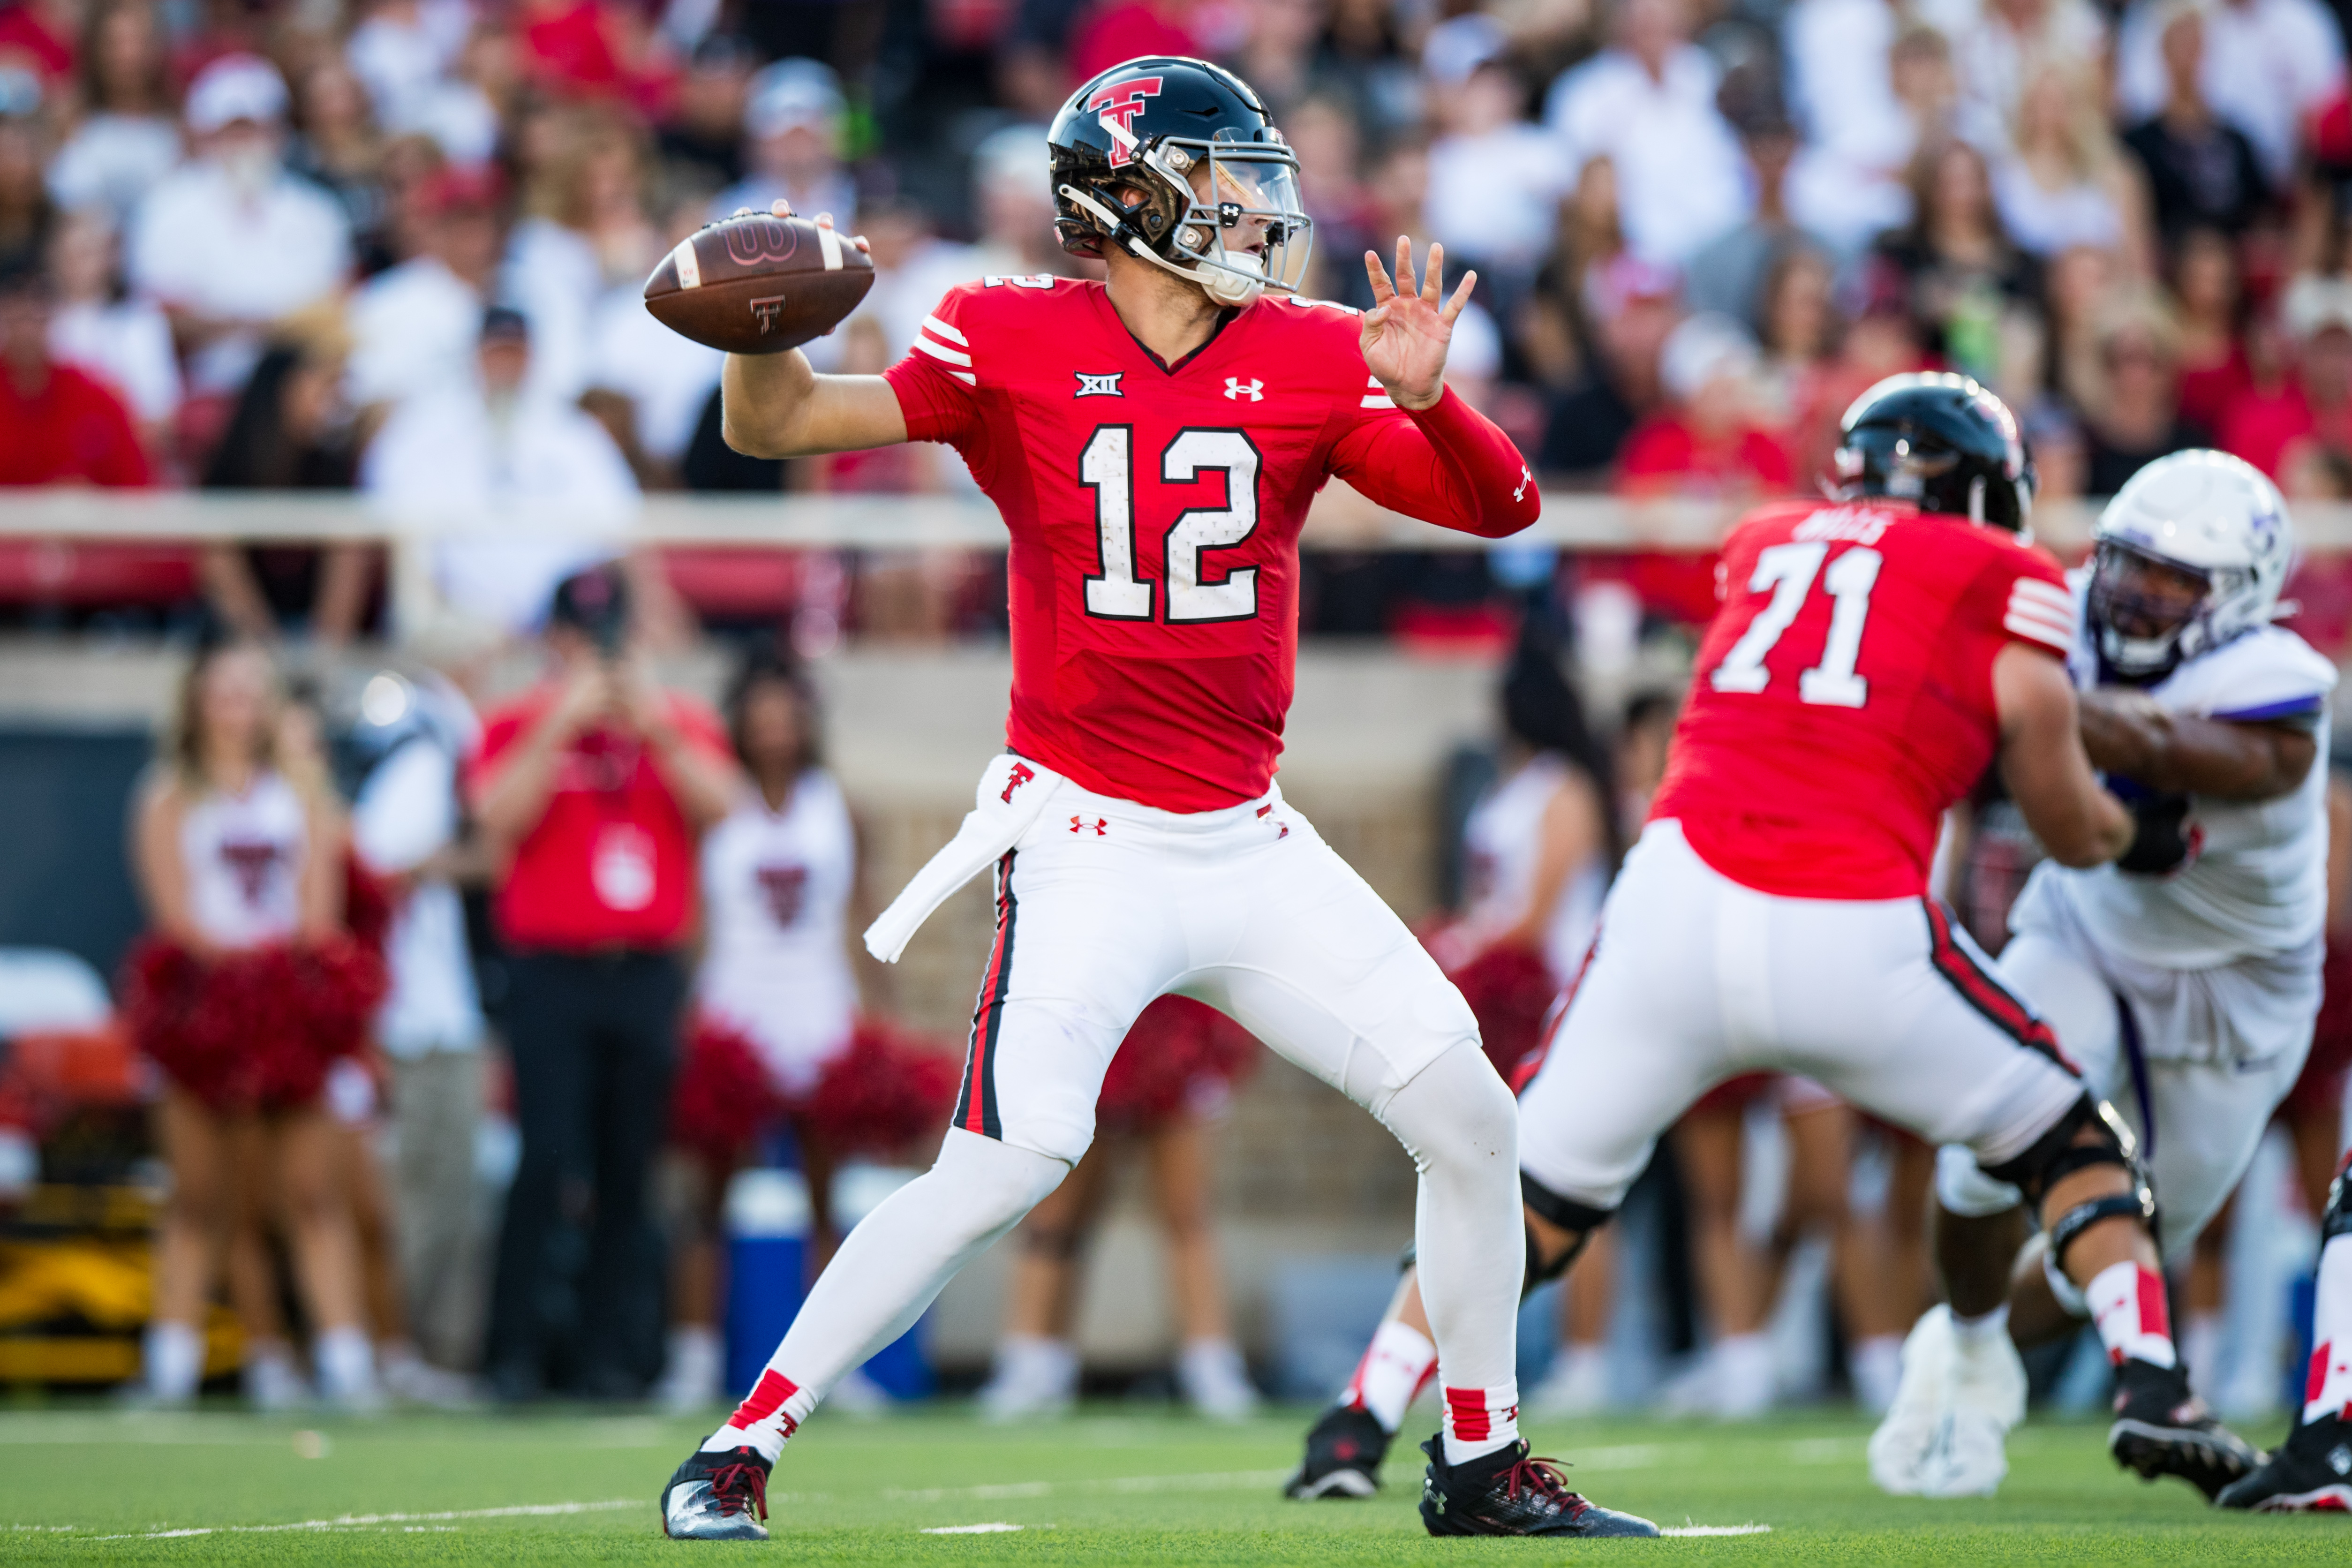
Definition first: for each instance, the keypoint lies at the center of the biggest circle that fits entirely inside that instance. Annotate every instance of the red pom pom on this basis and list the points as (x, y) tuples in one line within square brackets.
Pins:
[(256, 1029), (722, 1096), (1175, 1049), (367, 904), (888, 1089), (1510, 990)]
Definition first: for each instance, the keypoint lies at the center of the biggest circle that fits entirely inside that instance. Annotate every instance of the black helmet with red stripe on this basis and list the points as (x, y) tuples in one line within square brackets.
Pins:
[(1177, 162)]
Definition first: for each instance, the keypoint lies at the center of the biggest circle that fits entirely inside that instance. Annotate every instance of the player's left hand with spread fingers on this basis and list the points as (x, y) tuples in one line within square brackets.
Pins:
[(1410, 323)]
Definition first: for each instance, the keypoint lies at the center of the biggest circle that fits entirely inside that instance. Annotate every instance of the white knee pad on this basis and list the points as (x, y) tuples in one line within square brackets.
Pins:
[(1963, 1188)]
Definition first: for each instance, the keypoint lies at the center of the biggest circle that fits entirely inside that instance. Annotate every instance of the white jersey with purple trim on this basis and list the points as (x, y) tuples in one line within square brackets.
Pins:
[(2258, 884), (775, 889)]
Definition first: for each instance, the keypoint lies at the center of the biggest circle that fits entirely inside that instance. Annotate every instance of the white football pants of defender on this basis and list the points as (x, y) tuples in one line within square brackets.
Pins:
[(1695, 978), (1103, 905), (2249, 1024)]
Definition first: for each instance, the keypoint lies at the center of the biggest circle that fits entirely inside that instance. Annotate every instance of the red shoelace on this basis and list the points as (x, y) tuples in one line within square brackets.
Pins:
[(732, 1485), (1545, 1477)]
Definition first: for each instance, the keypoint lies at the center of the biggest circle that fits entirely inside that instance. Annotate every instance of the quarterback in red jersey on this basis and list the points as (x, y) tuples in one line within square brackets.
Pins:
[(1874, 654), (1153, 442)]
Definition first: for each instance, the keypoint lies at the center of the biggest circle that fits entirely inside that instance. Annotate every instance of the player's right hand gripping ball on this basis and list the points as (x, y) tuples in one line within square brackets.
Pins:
[(757, 284)]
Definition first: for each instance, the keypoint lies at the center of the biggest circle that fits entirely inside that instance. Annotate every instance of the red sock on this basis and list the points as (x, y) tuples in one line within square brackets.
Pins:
[(2135, 1323)]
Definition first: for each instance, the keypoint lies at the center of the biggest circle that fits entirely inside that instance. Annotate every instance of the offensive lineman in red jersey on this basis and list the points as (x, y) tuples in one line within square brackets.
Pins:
[(1874, 654), (1153, 443)]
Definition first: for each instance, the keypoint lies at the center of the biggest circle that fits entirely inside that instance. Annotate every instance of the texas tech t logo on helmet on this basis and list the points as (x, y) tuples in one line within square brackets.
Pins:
[(1176, 163), (1118, 105)]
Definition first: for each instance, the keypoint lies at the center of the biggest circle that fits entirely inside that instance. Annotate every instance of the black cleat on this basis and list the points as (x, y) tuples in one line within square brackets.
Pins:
[(1344, 1450), (2163, 1429), (2311, 1472), (715, 1497), (1508, 1493)]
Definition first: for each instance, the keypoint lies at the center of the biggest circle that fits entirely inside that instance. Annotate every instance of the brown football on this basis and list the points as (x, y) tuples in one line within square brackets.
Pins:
[(755, 284)]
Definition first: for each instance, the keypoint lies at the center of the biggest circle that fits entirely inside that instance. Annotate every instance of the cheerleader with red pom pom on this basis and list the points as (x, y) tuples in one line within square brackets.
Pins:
[(776, 1036), (246, 991), (1167, 1088)]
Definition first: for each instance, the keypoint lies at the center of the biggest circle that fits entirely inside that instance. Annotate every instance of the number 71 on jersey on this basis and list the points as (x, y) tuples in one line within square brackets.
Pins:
[(1788, 571)]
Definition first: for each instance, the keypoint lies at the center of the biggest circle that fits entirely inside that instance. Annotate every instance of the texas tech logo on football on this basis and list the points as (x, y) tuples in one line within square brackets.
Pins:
[(1118, 104)]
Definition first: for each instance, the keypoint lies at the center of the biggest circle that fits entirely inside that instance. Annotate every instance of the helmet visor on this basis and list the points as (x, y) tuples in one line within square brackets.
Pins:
[(1246, 215), (2144, 597)]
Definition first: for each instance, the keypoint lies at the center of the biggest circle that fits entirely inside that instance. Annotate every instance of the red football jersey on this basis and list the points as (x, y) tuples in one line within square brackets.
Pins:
[(1154, 512), (1843, 698)]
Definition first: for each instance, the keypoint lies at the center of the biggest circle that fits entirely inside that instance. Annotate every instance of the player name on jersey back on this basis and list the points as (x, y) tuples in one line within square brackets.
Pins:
[(1843, 696)]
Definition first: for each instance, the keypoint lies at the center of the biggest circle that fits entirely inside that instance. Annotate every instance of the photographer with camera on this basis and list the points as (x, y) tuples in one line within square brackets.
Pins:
[(592, 789)]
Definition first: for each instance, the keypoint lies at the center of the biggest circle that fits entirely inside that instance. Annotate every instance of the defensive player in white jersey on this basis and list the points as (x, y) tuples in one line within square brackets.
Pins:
[(2182, 979)]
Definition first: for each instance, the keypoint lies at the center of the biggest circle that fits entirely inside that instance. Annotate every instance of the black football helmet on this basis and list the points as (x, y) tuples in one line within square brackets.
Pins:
[(1177, 162), (1941, 442)]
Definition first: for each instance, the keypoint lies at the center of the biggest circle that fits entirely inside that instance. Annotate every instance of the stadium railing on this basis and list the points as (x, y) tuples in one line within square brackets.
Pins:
[(1339, 520)]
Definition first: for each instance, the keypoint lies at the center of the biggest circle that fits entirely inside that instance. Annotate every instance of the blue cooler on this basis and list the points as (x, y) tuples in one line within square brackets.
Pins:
[(767, 1263)]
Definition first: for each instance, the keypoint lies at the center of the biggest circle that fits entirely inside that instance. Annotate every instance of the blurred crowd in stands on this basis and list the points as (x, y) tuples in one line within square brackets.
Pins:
[(397, 246)]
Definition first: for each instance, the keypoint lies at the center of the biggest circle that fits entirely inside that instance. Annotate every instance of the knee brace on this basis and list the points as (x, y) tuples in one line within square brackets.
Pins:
[(1564, 1211), (2056, 1155)]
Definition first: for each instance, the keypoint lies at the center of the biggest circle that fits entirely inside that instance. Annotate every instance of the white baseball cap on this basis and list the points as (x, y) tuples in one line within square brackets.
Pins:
[(795, 94), (235, 88), (1701, 349)]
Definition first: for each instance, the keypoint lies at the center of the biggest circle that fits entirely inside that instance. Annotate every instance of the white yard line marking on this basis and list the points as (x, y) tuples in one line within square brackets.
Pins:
[(1210, 1482), (994, 1527), (356, 1521), (1686, 1529)]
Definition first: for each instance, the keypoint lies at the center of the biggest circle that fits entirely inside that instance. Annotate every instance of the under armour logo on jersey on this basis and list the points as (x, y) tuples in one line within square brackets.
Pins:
[(1100, 825), (1022, 775), (1238, 389), (1527, 478), (1099, 385)]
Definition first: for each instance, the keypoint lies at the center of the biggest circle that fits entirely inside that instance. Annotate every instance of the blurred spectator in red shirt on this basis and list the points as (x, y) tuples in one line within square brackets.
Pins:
[(57, 424), (599, 48), (39, 36), (2316, 401), (1118, 30), (1709, 439), (591, 789), (1707, 443), (2205, 296)]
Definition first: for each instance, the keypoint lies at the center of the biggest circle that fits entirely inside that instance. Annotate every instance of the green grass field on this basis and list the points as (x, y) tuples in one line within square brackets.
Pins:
[(1114, 1485)]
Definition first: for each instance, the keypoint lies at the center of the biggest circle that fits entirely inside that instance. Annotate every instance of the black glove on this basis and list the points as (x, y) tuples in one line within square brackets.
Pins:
[(2163, 841)]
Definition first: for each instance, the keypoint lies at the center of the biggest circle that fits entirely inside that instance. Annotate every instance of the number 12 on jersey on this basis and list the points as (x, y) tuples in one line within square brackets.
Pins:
[(1789, 570), (1106, 467)]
